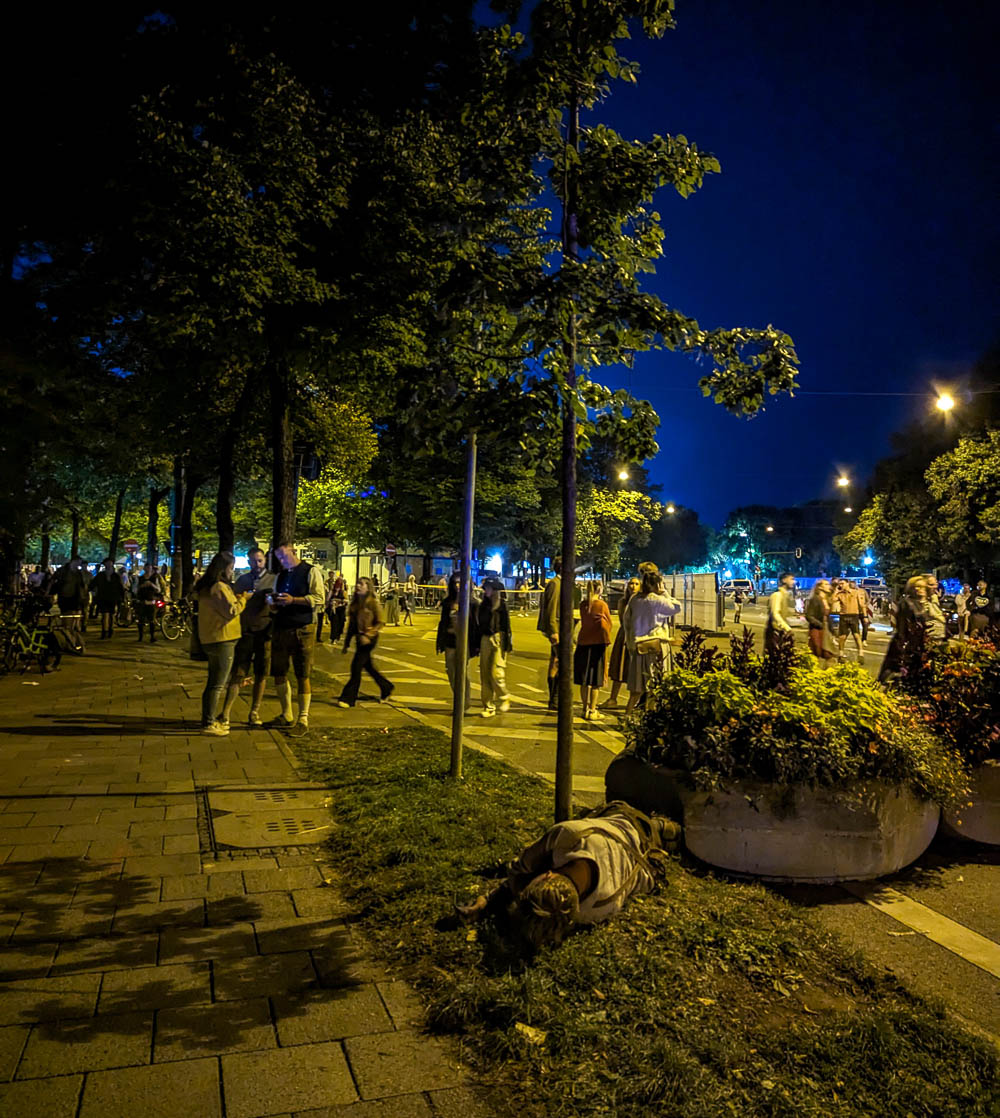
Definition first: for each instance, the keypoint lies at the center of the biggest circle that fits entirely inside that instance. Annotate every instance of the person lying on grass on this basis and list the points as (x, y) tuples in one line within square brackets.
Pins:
[(582, 871)]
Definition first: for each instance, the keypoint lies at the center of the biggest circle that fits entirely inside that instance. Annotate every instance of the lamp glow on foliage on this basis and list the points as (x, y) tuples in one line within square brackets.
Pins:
[(494, 562)]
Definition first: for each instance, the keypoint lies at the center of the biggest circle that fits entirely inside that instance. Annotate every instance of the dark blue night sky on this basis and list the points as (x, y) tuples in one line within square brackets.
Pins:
[(856, 210)]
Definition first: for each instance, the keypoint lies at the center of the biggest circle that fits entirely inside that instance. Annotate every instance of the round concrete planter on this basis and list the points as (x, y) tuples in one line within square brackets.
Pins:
[(786, 834), (979, 822)]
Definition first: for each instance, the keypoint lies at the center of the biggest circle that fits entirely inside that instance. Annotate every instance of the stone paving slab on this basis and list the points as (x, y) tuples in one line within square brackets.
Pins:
[(401, 1062), (12, 1041), (330, 1015), (173, 984), (65, 1047), (258, 1084), (160, 1091), (51, 1098), (213, 1030)]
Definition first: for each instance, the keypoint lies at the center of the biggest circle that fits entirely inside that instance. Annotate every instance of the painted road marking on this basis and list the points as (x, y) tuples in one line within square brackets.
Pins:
[(500, 732), (580, 783), (957, 938), (528, 687), (419, 679), (423, 699)]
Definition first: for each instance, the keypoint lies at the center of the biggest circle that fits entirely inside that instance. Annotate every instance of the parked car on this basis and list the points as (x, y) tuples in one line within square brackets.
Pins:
[(731, 585)]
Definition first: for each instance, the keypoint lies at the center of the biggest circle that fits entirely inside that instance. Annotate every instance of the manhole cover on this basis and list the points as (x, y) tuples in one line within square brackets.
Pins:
[(269, 818), (270, 828), (268, 799)]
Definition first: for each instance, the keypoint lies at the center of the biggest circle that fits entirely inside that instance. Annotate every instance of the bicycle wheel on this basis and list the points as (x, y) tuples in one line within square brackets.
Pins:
[(171, 626)]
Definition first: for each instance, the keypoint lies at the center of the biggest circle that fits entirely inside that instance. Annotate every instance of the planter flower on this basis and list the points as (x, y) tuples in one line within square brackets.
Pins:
[(787, 770), (957, 690)]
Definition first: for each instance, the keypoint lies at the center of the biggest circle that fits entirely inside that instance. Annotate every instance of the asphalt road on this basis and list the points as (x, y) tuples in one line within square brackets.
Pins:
[(954, 885)]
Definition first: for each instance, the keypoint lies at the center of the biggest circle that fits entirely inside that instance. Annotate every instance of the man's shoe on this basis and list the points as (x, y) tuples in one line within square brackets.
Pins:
[(224, 723), (279, 723), (253, 719), (341, 703), (504, 706), (489, 712), (596, 716), (214, 730), (387, 696), (586, 714)]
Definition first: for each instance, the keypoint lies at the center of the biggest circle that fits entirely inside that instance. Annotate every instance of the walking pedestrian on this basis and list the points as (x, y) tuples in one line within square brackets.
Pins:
[(849, 602), (618, 666), (390, 601), (447, 632), (817, 611), (548, 624), (219, 610), (70, 591), (980, 607), (297, 595), (493, 631), (962, 608), (590, 658), (407, 599), (148, 591), (337, 607), (323, 614), (739, 597), (780, 610), (253, 650), (108, 594), (364, 623), (646, 622), (909, 618)]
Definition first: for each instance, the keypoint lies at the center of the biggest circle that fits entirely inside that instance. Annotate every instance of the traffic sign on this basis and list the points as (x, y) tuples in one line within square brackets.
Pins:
[(131, 545), (390, 549)]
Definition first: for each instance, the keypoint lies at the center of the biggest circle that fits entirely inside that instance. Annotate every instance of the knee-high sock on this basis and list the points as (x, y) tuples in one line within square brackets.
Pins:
[(285, 698), (305, 698)]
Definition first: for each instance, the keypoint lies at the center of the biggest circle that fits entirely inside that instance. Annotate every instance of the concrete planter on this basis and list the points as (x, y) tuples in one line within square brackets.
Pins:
[(786, 834), (981, 821)]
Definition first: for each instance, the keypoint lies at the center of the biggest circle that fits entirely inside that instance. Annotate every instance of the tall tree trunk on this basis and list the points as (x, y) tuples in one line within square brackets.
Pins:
[(46, 549), (282, 464), (564, 731), (176, 505), (464, 598), (187, 532), (74, 543), (227, 478), (153, 524), (116, 527), (427, 564)]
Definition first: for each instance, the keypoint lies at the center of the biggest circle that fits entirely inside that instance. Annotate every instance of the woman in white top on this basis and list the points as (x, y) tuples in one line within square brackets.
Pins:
[(648, 613)]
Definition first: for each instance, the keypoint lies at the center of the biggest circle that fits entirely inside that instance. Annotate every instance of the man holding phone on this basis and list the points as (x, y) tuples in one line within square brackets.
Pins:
[(297, 596)]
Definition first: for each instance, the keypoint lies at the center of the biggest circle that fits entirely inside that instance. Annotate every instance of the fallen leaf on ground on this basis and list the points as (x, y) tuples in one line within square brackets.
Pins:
[(471, 935), (782, 988), (808, 1010), (140, 677), (767, 1084), (706, 1001), (29, 682), (530, 1034), (598, 994), (900, 933)]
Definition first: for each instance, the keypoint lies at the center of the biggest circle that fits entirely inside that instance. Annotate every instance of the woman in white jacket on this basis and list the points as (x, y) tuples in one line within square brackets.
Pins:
[(646, 623)]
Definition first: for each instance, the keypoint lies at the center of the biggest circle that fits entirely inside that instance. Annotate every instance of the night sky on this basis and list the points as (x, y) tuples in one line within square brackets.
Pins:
[(856, 210)]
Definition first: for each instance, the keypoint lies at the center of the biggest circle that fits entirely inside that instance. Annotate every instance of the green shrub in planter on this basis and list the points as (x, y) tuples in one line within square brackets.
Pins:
[(957, 686), (784, 720)]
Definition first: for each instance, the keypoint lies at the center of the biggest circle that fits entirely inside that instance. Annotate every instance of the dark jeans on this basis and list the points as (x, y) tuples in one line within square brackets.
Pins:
[(220, 663), (362, 662), (147, 616), (337, 616)]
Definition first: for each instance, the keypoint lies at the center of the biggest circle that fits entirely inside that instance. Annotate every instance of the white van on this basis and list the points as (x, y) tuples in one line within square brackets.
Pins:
[(731, 585)]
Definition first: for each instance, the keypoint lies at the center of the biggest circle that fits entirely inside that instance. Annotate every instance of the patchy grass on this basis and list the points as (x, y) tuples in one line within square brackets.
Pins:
[(709, 998)]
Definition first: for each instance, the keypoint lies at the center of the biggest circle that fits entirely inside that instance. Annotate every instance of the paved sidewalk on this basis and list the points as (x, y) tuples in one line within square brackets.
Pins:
[(147, 968)]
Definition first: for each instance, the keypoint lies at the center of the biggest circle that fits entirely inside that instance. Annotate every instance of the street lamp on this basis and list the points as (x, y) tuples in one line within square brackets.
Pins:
[(769, 528), (843, 482), (848, 509), (944, 402), (623, 474), (671, 510)]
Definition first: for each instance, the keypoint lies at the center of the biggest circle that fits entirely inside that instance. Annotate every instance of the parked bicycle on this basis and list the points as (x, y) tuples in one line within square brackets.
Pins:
[(22, 647), (176, 618)]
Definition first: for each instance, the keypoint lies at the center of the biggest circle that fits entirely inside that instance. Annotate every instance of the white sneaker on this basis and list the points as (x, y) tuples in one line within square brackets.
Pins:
[(596, 716), (504, 706), (215, 730), (254, 719), (489, 712)]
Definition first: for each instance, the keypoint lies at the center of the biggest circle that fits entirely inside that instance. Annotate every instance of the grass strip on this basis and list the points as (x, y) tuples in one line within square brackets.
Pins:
[(711, 997)]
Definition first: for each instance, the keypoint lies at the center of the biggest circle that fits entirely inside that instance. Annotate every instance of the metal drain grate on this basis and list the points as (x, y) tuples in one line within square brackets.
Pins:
[(290, 826), (275, 797)]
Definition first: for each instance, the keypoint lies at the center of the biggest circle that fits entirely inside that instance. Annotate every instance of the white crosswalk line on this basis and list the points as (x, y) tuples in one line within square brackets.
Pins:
[(957, 938)]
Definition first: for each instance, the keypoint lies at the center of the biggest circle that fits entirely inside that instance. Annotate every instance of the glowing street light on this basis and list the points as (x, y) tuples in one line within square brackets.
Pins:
[(769, 528), (944, 402), (843, 482), (848, 509), (623, 474), (671, 510)]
